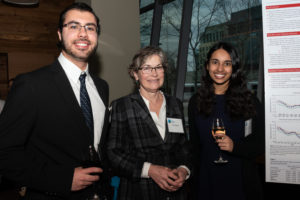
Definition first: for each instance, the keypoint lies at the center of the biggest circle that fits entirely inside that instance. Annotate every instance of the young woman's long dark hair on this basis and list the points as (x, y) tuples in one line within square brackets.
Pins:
[(239, 100)]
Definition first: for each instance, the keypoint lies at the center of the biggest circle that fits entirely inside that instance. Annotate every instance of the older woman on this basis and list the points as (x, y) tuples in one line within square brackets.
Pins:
[(147, 143)]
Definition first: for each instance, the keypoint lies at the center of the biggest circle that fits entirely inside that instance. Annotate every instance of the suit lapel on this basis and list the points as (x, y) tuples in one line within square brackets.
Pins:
[(144, 113), (172, 111), (168, 114), (65, 89), (103, 94), (104, 97)]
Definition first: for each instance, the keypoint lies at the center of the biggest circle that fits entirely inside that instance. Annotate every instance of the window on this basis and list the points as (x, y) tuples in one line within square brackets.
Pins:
[(145, 27), (169, 40), (236, 21), (144, 3)]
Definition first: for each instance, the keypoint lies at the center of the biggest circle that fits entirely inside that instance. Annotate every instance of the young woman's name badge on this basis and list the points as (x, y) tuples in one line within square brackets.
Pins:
[(248, 127), (175, 125)]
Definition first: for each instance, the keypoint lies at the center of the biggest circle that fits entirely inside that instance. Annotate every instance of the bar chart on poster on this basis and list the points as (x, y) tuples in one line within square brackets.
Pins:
[(281, 29)]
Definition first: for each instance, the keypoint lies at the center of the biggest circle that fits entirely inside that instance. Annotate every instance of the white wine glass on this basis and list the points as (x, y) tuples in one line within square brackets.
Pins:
[(218, 128)]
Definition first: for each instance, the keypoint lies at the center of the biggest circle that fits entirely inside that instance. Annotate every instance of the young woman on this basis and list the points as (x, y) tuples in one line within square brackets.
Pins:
[(223, 94)]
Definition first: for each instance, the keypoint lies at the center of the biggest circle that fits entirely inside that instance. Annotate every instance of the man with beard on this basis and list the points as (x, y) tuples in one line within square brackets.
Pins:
[(56, 115)]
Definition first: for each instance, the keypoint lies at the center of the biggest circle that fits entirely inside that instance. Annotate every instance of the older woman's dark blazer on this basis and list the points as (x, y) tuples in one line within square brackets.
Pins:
[(134, 139)]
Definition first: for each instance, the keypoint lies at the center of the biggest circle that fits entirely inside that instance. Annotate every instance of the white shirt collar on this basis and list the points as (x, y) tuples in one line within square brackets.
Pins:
[(147, 101), (72, 71)]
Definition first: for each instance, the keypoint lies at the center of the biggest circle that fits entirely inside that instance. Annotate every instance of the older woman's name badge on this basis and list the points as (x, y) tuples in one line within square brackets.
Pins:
[(175, 125)]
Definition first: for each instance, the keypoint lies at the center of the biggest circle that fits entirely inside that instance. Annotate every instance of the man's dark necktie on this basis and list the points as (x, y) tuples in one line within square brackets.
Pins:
[(86, 105)]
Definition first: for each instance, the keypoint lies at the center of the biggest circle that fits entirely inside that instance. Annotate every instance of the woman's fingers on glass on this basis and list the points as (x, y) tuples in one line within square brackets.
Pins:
[(219, 137), (226, 144)]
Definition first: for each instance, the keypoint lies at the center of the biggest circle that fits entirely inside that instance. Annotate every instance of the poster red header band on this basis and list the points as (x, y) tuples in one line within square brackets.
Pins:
[(283, 34), (283, 6), (284, 70)]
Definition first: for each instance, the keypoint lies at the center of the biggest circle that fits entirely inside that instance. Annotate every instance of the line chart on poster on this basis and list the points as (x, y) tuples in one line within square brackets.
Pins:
[(287, 107), (286, 132)]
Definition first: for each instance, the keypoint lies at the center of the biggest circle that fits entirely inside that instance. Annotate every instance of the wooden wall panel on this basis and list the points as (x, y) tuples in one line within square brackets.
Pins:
[(30, 29), (29, 36), (29, 62), (3, 74)]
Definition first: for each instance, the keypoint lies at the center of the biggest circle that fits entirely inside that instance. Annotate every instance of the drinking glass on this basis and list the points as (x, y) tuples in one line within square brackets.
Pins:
[(218, 128), (93, 161)]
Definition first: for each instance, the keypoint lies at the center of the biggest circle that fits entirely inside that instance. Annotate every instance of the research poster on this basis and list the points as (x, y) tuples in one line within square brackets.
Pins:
[(281, 29)]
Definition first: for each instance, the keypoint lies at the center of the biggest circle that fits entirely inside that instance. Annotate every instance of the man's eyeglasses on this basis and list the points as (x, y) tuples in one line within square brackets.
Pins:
[(76, 27), (148, 69)]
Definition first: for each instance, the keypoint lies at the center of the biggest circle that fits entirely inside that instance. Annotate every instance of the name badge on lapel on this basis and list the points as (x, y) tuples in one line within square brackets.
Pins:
[(248, 127), (175, 125)]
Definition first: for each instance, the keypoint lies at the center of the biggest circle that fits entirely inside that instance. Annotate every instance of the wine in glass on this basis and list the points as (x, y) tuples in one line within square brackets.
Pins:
[(218, 128)]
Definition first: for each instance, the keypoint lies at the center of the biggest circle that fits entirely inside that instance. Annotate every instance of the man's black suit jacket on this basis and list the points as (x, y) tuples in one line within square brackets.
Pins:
[(43, 135)]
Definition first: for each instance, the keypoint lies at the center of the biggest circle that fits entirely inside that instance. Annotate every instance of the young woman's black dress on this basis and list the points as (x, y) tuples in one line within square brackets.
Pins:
[(216, 181)]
